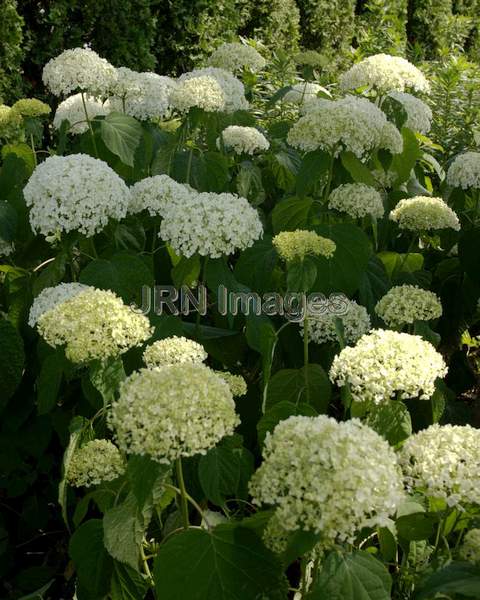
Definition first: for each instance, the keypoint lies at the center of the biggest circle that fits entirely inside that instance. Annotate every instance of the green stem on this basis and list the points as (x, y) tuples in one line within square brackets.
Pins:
[(32, 145), (146, 568), (183, 493), (189, 165), (89, 125), (330, 177), (305, 357)]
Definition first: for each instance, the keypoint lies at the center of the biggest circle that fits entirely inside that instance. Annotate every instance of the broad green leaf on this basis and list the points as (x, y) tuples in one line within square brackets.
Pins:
[(374, 284), (8, 222), (121, 134), (359, 172), (186, 271), (279, 412), (299, 544), (262, 337), (12, 358), (469, 253), (395, 263), (284, 165), (249, 183), (127, 584), (146, 478), (291, 214), (219, 473), (106, 377), (301, 275), (457, 578), (415, 526), (255, 266), (49, 381), (76, 428), (50, 275), (21, 150), (392, 421), (289, 385), (423, 329), (388, 543), (313, 168), (403, 163)]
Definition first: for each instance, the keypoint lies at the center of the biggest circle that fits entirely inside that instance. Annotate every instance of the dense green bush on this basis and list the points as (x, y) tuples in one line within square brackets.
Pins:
[(275, 23), (12, 51), (380, 26)]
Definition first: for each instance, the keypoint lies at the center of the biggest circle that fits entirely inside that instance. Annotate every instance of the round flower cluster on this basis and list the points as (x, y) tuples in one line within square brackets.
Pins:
[(384, 73), (357, 200), (173, 350), (96, 462), (6, 248), (74, 193), (235, 57), (243, 140), (11, 123), (321, 327), (442, 462), (142, 95), (31, 108), (464, 171), (328, 477), (79, 69), (470, 548), (93, 324), (423, 213), (49, 297), (304, 92), (387, 364), (73, 111), (351, 123), (296, 245), (203, 92), (155, 194), (174, 411), (211, 225), (419, 114), (232, 89), (405, 304), (236, 383)]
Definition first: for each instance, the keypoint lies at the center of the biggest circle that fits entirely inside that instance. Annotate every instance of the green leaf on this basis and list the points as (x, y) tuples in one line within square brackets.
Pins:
[(76, 427), (249, 183), (299, 543), (146, 478), (415, 526), (49, 381), (121, 134), (423, 329), (8, 222), (457, 578), (313, 168), (388, 543), (228, 563), (284, 165), (359, 172), (396, 263), (374, 284), (262, 337), (51, 275), (219, 474), (93, 564), (469, 253), (127, 584), (106, 377), (289, 385), (256, 264), (291, 214), (12, 358), (403, 163), (301, 275), (279, 412), (186, 271), (356, 576), (392, 421)]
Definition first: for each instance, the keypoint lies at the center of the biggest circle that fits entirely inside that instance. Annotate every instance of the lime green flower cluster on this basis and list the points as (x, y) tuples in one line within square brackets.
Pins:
[(298, 244)]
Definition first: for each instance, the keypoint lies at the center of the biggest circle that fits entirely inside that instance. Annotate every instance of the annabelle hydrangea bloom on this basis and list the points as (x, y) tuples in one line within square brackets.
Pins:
[(357, 200), (470, 548), (173, 350), (211, 225), (328, 477), (351, 123), (424, 213), (72, 110), (31, 108), (94, 463), (236, 383), (79, 69), (93, 325), (442, 462), (321, 327), (172, 412), (50, 297), (243, 140), (296, 245), (235, 57), (156, 194), (74, 193), (464, 171), (419, 114), (405, 304), (386, 365), (384, 73)]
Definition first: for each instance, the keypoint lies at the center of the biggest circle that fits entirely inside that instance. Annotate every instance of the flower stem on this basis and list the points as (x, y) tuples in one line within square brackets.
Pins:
[(32, 145), (305, 357), (183, 493)]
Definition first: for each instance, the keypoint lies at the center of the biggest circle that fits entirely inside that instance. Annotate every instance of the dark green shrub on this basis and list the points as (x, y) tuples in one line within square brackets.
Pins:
[(381, 26), (11, 51)]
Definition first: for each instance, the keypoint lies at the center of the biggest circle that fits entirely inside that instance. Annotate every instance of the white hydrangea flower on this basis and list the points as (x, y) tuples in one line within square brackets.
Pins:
[(424, 213), (404, 304), (155, 194), (235, 57), (442, 462), (470, 548), (386, 365), (93, 325), (232, 88), (419, 114), (328, 477), (211, 225), (236, 383), (357, 200), (321, 327), (174, 411), (296, 245), (72, 110), (94, 463), (203, 92), (464, 171), (304, 92), (384, 73), (142, 95), (243, 140), (74, 193), (79, 69), (351, 123), (173, 350), (6, 248), (51, 296)]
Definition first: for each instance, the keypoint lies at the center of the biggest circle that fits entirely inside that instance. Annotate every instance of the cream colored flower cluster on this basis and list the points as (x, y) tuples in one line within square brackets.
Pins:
[(211, 225), (93, 325), (384, 73), (419, 114), (424, 213), (243, 140), (384, 365), (49, 297), (442, 462), (304, 92), (73, 111), (321, 327), (357, 200), (173, 350), (174, 411), (235, 57), (31, 108), (296, 245), (328, 477), (6, 248), (351, 123), (405, 304), (74, 193), (470, 548), (464, 171), (236, 383), (156, 194), (94, 463), (79, 69)]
